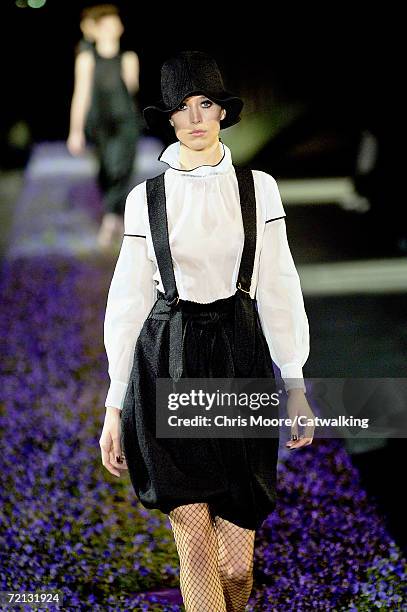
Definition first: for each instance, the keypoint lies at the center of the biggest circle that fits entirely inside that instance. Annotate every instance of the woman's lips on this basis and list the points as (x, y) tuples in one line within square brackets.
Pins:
[(198, 133)]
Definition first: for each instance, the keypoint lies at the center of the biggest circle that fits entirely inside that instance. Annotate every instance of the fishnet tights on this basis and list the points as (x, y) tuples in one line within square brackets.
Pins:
[(216, 560)]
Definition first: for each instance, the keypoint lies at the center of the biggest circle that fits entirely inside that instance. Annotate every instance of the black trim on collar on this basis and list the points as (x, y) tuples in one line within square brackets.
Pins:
[(137, 235)]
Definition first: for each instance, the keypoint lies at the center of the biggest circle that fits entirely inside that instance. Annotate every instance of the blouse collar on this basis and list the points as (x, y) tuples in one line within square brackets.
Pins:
[(170, 156)]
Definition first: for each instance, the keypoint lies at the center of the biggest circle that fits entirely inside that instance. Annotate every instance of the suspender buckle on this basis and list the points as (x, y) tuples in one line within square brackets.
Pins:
[(173, 302), (239, 286)]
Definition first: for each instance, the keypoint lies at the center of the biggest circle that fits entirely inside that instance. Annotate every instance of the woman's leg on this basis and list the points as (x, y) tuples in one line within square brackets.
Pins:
[(197, 547), (236, 551)]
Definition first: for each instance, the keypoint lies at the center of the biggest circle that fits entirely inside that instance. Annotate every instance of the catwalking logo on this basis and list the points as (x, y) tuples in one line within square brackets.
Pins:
[(207, 401), (339, 421)]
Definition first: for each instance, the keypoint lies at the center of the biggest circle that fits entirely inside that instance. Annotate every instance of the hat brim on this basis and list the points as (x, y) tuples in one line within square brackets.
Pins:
[(156, 116)]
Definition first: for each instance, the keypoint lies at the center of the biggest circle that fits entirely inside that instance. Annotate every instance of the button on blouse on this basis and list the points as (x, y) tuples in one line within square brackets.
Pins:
[(206, 238)]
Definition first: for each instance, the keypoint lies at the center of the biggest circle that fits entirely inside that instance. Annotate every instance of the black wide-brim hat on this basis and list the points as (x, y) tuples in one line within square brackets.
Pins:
[(187, 74)]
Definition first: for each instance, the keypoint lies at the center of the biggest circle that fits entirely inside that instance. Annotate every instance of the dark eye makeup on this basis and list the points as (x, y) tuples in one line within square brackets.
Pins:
[(182, 105)]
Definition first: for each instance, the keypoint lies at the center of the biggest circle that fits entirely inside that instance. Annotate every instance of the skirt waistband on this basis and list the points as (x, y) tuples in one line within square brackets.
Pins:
[(223, 305)]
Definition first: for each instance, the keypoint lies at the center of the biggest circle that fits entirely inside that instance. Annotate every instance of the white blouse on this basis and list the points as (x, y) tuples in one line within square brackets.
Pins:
[(206, 240)]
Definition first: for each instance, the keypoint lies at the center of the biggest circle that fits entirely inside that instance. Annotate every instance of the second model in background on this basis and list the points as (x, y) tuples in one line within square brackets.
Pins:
[(104, 111)]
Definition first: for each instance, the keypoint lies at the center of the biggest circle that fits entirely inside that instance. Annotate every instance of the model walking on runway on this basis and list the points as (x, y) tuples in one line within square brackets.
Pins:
[(204, 286), (104, 110)]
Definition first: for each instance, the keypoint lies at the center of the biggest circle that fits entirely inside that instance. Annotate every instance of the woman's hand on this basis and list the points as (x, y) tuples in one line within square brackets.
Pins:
[(297, 406), (109, 443), (76, 143)]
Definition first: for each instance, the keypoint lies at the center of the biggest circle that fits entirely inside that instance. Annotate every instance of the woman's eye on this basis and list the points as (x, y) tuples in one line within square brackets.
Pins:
[(208, 104)]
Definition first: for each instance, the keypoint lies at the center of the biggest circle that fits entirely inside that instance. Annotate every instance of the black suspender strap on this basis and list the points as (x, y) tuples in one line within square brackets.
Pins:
[(245, 311), (247, 196), (157, 214)]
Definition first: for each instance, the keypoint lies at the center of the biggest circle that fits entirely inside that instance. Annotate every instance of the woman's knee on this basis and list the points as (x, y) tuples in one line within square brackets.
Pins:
[(240, 571)]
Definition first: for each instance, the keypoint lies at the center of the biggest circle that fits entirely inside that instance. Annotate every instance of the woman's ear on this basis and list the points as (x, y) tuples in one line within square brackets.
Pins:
[(223, 114)]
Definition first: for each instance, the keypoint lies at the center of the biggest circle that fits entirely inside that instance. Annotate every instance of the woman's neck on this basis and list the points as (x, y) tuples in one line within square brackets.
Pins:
[(190, 159), (108, 48)]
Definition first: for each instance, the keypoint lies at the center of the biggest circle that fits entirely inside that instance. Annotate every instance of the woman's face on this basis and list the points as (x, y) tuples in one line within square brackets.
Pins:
[(108, 27), (197, 114)]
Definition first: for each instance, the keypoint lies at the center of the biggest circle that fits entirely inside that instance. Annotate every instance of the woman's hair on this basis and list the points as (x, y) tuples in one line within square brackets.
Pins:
[(99, 10)]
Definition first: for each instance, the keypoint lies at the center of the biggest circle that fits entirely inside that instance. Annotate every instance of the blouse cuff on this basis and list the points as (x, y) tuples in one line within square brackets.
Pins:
[(292, 375), (116, 394)]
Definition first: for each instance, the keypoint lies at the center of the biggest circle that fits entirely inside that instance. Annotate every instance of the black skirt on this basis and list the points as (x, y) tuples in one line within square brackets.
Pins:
[(236, 477)]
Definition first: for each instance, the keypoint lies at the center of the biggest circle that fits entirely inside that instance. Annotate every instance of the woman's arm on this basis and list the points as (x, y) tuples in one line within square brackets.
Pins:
[(81, 99), (131, 71), (279, 295), (130, 299)]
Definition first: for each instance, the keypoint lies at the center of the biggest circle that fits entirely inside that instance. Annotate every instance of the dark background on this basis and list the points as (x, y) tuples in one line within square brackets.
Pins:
[(337, 64)]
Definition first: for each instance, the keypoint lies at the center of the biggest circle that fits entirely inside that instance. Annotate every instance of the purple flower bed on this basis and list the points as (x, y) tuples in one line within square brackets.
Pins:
[(68, 524), (325, 547)]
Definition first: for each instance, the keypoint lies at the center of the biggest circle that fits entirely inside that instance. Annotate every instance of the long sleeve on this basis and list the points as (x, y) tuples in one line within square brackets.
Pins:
[(130, 299), (279, 296)]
